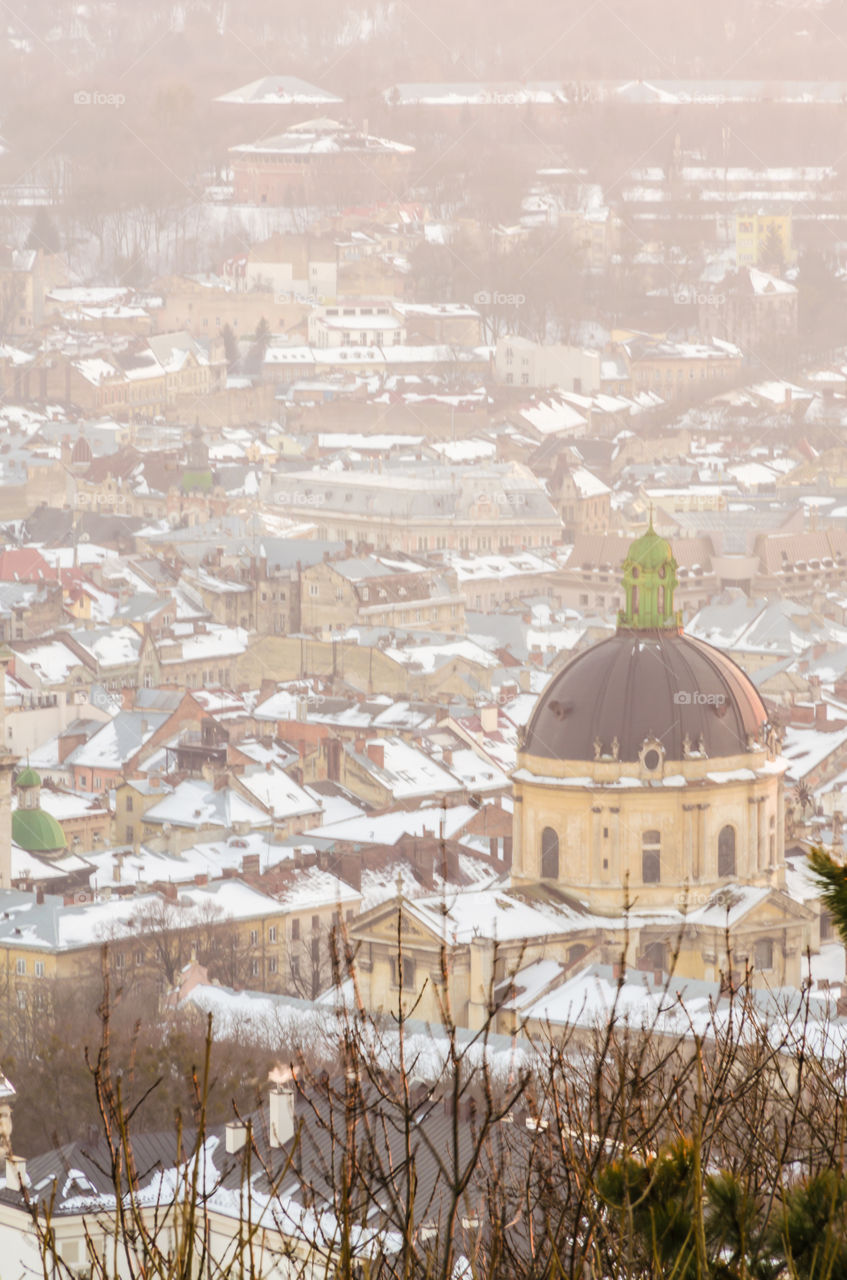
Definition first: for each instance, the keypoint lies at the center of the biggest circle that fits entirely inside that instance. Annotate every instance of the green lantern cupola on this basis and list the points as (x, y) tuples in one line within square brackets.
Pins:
[(649, 580)]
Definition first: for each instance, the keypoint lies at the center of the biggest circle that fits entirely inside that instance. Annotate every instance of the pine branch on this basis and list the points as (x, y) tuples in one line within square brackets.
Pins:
[(832, 878)]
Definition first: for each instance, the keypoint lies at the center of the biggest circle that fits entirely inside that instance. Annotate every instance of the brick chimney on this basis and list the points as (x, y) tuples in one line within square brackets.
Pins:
[(349, 868), (250, 864), (67, 743), (376, 753)]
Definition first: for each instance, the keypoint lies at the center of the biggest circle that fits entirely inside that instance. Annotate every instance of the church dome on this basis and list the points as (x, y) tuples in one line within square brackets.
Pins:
[(646, 685), (650, 551), (33, 828), (37, 831), (28, 778), (649, 683)]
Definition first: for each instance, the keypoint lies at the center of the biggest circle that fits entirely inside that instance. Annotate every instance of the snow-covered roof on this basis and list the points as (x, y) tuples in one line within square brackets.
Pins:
[(279, 91), (196, 803)]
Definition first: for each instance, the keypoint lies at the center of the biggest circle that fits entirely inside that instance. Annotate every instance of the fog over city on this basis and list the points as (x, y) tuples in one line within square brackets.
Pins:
[(423, 640)]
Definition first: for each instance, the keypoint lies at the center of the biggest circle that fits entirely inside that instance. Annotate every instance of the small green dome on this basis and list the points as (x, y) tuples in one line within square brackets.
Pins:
[(28, 778), (650, 551), (37, 831)]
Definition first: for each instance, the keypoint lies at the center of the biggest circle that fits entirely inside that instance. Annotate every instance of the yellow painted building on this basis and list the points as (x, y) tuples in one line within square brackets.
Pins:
[(752, 231), (146, 935)]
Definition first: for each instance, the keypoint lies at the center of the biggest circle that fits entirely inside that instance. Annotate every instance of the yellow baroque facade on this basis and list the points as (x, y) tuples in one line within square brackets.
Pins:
[(650, 781)]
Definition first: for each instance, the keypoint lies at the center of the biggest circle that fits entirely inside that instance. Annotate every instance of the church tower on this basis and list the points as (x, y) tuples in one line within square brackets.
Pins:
[(649, 783)]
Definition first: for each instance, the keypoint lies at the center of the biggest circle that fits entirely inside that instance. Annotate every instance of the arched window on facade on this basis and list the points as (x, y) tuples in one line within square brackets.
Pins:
[(549, 854), (726, 852), (651, 857)]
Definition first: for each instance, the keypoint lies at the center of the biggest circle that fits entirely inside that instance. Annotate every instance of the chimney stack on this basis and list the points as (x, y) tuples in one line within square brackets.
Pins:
[(282, 1113), (251, 864), (16, 1178), (237, 1133), (376, 753), (489, 717)]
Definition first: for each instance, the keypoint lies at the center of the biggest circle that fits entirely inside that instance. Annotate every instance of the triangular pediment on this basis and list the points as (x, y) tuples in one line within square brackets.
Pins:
[(380, 925), (776, 907)]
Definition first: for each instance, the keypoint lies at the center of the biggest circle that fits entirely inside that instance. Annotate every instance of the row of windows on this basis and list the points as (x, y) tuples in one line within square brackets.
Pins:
[(120, 957), (96, 782), (655, 955), (506, 542), (354, 311), (200, 680), (651, 854)]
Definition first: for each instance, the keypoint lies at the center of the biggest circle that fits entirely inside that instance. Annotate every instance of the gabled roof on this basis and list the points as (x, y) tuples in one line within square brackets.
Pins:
[(119, 740), (279, 91), (113, 465), (24, 564)]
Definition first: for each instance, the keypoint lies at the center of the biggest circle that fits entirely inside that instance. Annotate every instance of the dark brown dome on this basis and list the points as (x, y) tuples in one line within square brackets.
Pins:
[(646, 684)]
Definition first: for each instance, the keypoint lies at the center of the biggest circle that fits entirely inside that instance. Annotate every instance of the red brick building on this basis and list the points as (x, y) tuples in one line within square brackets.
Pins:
[(304, 160)]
